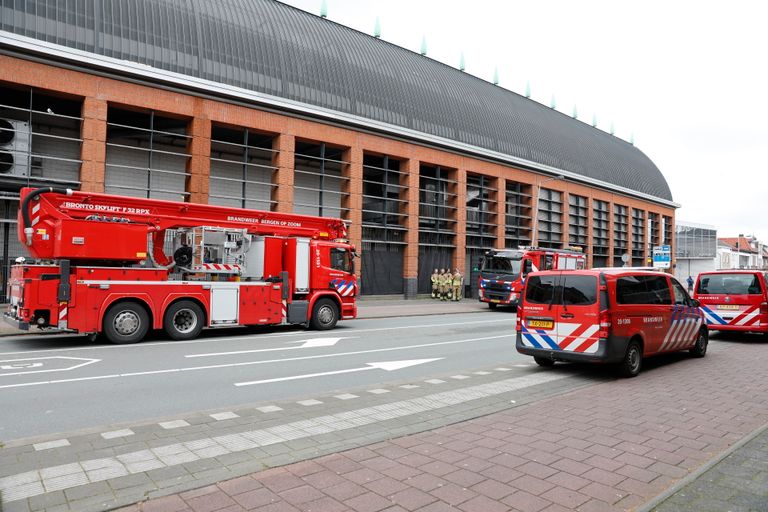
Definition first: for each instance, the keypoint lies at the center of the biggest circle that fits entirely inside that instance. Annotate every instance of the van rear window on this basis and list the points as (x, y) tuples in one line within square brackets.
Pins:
[(729, 284), (579, 290), (540, 289)]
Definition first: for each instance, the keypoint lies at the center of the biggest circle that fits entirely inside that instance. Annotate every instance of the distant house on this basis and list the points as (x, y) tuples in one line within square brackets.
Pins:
[(741, 252)]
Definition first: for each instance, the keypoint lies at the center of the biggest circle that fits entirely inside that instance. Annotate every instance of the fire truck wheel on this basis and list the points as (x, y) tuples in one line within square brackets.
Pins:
[(543, 361), (183, 320), (325, 314), (126, 322), (633, 360), (492, 305), (700, 348)]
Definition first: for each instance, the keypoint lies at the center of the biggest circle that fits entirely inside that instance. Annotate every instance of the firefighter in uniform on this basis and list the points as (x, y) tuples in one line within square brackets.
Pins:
[(457, 282), (435, 283), (443, 284)]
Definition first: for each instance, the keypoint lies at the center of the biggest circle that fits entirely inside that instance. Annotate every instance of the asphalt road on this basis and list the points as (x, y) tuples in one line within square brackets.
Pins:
[(51, 384)]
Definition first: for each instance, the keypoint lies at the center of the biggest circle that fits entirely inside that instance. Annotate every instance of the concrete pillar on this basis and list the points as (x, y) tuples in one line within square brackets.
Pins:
[(410, 180), (199, 163), (93, 151), (284, 146)]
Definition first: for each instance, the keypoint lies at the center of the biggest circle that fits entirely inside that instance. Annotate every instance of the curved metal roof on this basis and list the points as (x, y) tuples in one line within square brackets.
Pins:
[(275, 49)]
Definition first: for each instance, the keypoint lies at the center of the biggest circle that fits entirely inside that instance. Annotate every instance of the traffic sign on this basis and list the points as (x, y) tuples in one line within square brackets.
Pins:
[(662, 256)]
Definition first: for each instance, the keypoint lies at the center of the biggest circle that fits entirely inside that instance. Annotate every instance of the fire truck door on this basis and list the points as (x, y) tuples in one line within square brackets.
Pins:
[(224, 303)]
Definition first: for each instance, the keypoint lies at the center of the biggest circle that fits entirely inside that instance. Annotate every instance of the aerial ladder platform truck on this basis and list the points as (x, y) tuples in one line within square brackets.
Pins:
[(122, 266)]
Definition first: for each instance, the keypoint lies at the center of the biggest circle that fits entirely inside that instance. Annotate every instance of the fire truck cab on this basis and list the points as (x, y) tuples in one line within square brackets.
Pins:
[(503, 272), (615, 315), (123, 266)]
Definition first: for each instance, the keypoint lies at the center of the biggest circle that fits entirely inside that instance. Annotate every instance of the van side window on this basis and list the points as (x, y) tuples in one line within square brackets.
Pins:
[(540, 289), (579, 290), (643, 290), (681, 296)]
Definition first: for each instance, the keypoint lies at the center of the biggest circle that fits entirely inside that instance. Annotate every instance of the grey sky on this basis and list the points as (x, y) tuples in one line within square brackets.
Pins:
[(687, 78)]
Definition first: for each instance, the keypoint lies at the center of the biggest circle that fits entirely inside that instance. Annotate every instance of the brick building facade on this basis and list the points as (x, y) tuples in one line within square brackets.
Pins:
[(413, 200)]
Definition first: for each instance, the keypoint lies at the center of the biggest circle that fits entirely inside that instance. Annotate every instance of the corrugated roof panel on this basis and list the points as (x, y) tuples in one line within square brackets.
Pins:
[(269, 47)]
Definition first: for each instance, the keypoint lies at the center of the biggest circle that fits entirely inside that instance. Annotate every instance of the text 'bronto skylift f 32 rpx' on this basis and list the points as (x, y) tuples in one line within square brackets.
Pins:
[(124, 265), (503, 271)]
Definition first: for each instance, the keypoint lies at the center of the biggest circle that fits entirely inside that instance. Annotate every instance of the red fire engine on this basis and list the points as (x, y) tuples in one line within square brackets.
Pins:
[(502, 272), (124, 265)]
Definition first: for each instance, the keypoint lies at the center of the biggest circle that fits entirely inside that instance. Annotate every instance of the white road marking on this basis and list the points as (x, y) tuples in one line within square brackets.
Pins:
[(247, 363), (378, 391), (269, 408), (384, 365), (34, 483), (168, 425), (221, 416), (20, 364), (307, 403), (435, 381), (313, 343), (117, 433), (220, 339), (346, 396), (50, 444)]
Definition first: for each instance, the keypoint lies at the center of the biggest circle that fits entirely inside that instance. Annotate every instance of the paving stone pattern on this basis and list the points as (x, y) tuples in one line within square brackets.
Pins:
[(738, 483), (608, 447)]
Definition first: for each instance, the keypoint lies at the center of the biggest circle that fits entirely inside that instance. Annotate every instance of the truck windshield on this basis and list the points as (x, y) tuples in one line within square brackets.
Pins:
[(729, 284), (501, 265), (341, 259)]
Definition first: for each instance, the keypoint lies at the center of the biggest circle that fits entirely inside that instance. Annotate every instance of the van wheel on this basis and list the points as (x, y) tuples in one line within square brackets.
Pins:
[(492, 305), (325, 314), (543, 361), (183, 320), (126, 322), (700, 348), (633, 360)]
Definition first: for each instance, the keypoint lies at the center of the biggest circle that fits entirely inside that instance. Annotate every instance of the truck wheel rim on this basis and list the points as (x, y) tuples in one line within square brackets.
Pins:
[(127, 323), (325, 315), (634, 358), (701, 343), (184, 321)]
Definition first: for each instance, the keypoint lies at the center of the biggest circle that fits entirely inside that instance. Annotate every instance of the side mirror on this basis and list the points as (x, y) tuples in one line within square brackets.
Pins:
[(695, 303)]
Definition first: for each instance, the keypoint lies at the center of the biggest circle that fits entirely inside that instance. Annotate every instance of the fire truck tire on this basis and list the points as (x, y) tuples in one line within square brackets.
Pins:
[(126, 322), (325, 314), (699, 349), (492, 305), (543, 361), (633, 360), (183, 320)]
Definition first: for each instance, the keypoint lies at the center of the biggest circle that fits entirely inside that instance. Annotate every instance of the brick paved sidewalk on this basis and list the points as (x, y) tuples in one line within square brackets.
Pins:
[(611, 446), (739, 482)]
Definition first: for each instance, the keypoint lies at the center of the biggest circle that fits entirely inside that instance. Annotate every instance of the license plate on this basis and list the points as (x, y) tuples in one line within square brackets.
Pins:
[(728, 306), (495, 300), (541, 324)]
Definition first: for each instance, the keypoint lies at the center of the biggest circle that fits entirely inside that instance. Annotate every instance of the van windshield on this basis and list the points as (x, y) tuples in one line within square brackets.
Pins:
[(729, 284), (501, 265)]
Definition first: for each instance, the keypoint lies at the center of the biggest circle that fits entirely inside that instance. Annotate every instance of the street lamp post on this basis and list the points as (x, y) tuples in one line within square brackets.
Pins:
[(738, 251), (534, 240)]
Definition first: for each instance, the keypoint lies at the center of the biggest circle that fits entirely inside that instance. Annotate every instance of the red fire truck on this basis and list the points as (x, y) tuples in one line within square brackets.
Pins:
[(124, 265), (502, 272)]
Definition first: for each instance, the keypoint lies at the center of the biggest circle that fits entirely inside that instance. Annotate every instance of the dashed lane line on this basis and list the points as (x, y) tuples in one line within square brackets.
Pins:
[(32, 483)]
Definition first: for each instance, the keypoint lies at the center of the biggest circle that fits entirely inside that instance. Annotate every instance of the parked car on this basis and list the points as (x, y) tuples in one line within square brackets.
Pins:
[(734, 300), (614, 315)]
